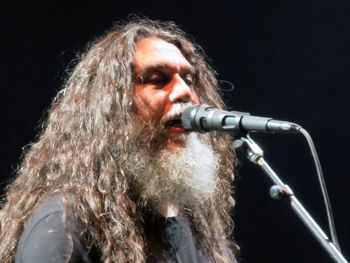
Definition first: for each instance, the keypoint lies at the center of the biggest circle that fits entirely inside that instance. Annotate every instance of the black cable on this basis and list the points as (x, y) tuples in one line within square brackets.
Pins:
[(323, 186)]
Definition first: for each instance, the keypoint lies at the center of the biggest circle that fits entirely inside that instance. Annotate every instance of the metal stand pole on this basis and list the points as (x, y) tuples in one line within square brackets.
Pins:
[(280, 190)]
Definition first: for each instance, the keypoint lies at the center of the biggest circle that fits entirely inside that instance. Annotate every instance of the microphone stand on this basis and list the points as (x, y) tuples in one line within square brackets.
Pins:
[(280, 190)]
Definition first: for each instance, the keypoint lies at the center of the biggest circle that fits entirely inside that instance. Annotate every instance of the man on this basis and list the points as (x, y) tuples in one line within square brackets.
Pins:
[(114, 177)]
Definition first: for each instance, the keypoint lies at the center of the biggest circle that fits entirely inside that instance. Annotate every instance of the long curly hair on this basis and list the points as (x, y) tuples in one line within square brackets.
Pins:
[(84, 145)]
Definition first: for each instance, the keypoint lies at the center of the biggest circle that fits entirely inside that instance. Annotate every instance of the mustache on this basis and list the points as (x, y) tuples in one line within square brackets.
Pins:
[(175, 112)]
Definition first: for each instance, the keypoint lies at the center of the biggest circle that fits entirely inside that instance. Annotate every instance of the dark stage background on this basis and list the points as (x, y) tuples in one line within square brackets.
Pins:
[(286, 59)]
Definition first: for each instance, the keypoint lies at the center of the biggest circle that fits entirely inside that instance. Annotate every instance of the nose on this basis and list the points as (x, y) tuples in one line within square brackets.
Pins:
[(181, 92)]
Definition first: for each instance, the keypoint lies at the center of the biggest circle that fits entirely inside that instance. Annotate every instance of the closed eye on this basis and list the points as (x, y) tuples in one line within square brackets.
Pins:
[(156, 78), (189, 79)]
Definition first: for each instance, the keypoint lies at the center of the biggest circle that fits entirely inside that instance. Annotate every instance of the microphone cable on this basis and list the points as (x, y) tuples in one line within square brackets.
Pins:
[(323, 186)]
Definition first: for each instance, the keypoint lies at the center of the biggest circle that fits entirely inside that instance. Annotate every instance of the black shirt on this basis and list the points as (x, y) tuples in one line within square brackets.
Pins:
[(46, 239)]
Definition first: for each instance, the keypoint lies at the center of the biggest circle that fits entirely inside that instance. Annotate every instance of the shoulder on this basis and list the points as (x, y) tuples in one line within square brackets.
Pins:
[(45, 237)]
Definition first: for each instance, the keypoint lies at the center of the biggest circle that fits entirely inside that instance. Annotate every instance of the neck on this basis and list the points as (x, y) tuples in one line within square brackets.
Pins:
[(169, 209)]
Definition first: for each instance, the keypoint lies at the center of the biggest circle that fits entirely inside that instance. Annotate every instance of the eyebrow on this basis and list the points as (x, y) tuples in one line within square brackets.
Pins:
[(165, 67)]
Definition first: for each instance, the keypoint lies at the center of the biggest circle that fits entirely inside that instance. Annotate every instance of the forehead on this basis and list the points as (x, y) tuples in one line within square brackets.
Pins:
[(154, 51)]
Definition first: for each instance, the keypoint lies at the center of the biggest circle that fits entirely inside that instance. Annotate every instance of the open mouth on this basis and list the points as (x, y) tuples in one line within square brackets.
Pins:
[(174, 123)]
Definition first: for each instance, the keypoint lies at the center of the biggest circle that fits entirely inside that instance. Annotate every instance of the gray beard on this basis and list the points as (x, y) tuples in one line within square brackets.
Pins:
[(187, 176)]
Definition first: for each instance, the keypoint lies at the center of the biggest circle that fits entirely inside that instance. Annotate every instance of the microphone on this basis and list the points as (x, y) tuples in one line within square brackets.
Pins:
[(203, 118)]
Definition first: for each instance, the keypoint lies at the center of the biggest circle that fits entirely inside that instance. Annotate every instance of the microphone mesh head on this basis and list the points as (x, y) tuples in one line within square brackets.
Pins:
[(187, 116)]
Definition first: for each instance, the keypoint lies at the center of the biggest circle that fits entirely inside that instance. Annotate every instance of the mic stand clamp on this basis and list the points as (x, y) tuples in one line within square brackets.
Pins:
[(280, 190)]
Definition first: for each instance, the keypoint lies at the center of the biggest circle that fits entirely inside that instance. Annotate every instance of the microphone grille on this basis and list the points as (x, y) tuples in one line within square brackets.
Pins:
[(188, 116)]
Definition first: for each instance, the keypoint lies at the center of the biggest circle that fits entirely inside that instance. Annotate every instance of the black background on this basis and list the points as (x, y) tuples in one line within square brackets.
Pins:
[(287, 59)]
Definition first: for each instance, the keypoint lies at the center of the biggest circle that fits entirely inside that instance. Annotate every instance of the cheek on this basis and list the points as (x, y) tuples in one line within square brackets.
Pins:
[(150, 104), (158, 102)]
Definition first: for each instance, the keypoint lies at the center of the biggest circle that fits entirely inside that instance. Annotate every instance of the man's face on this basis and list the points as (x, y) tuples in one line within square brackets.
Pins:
[(164, 77), (174, 167)]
